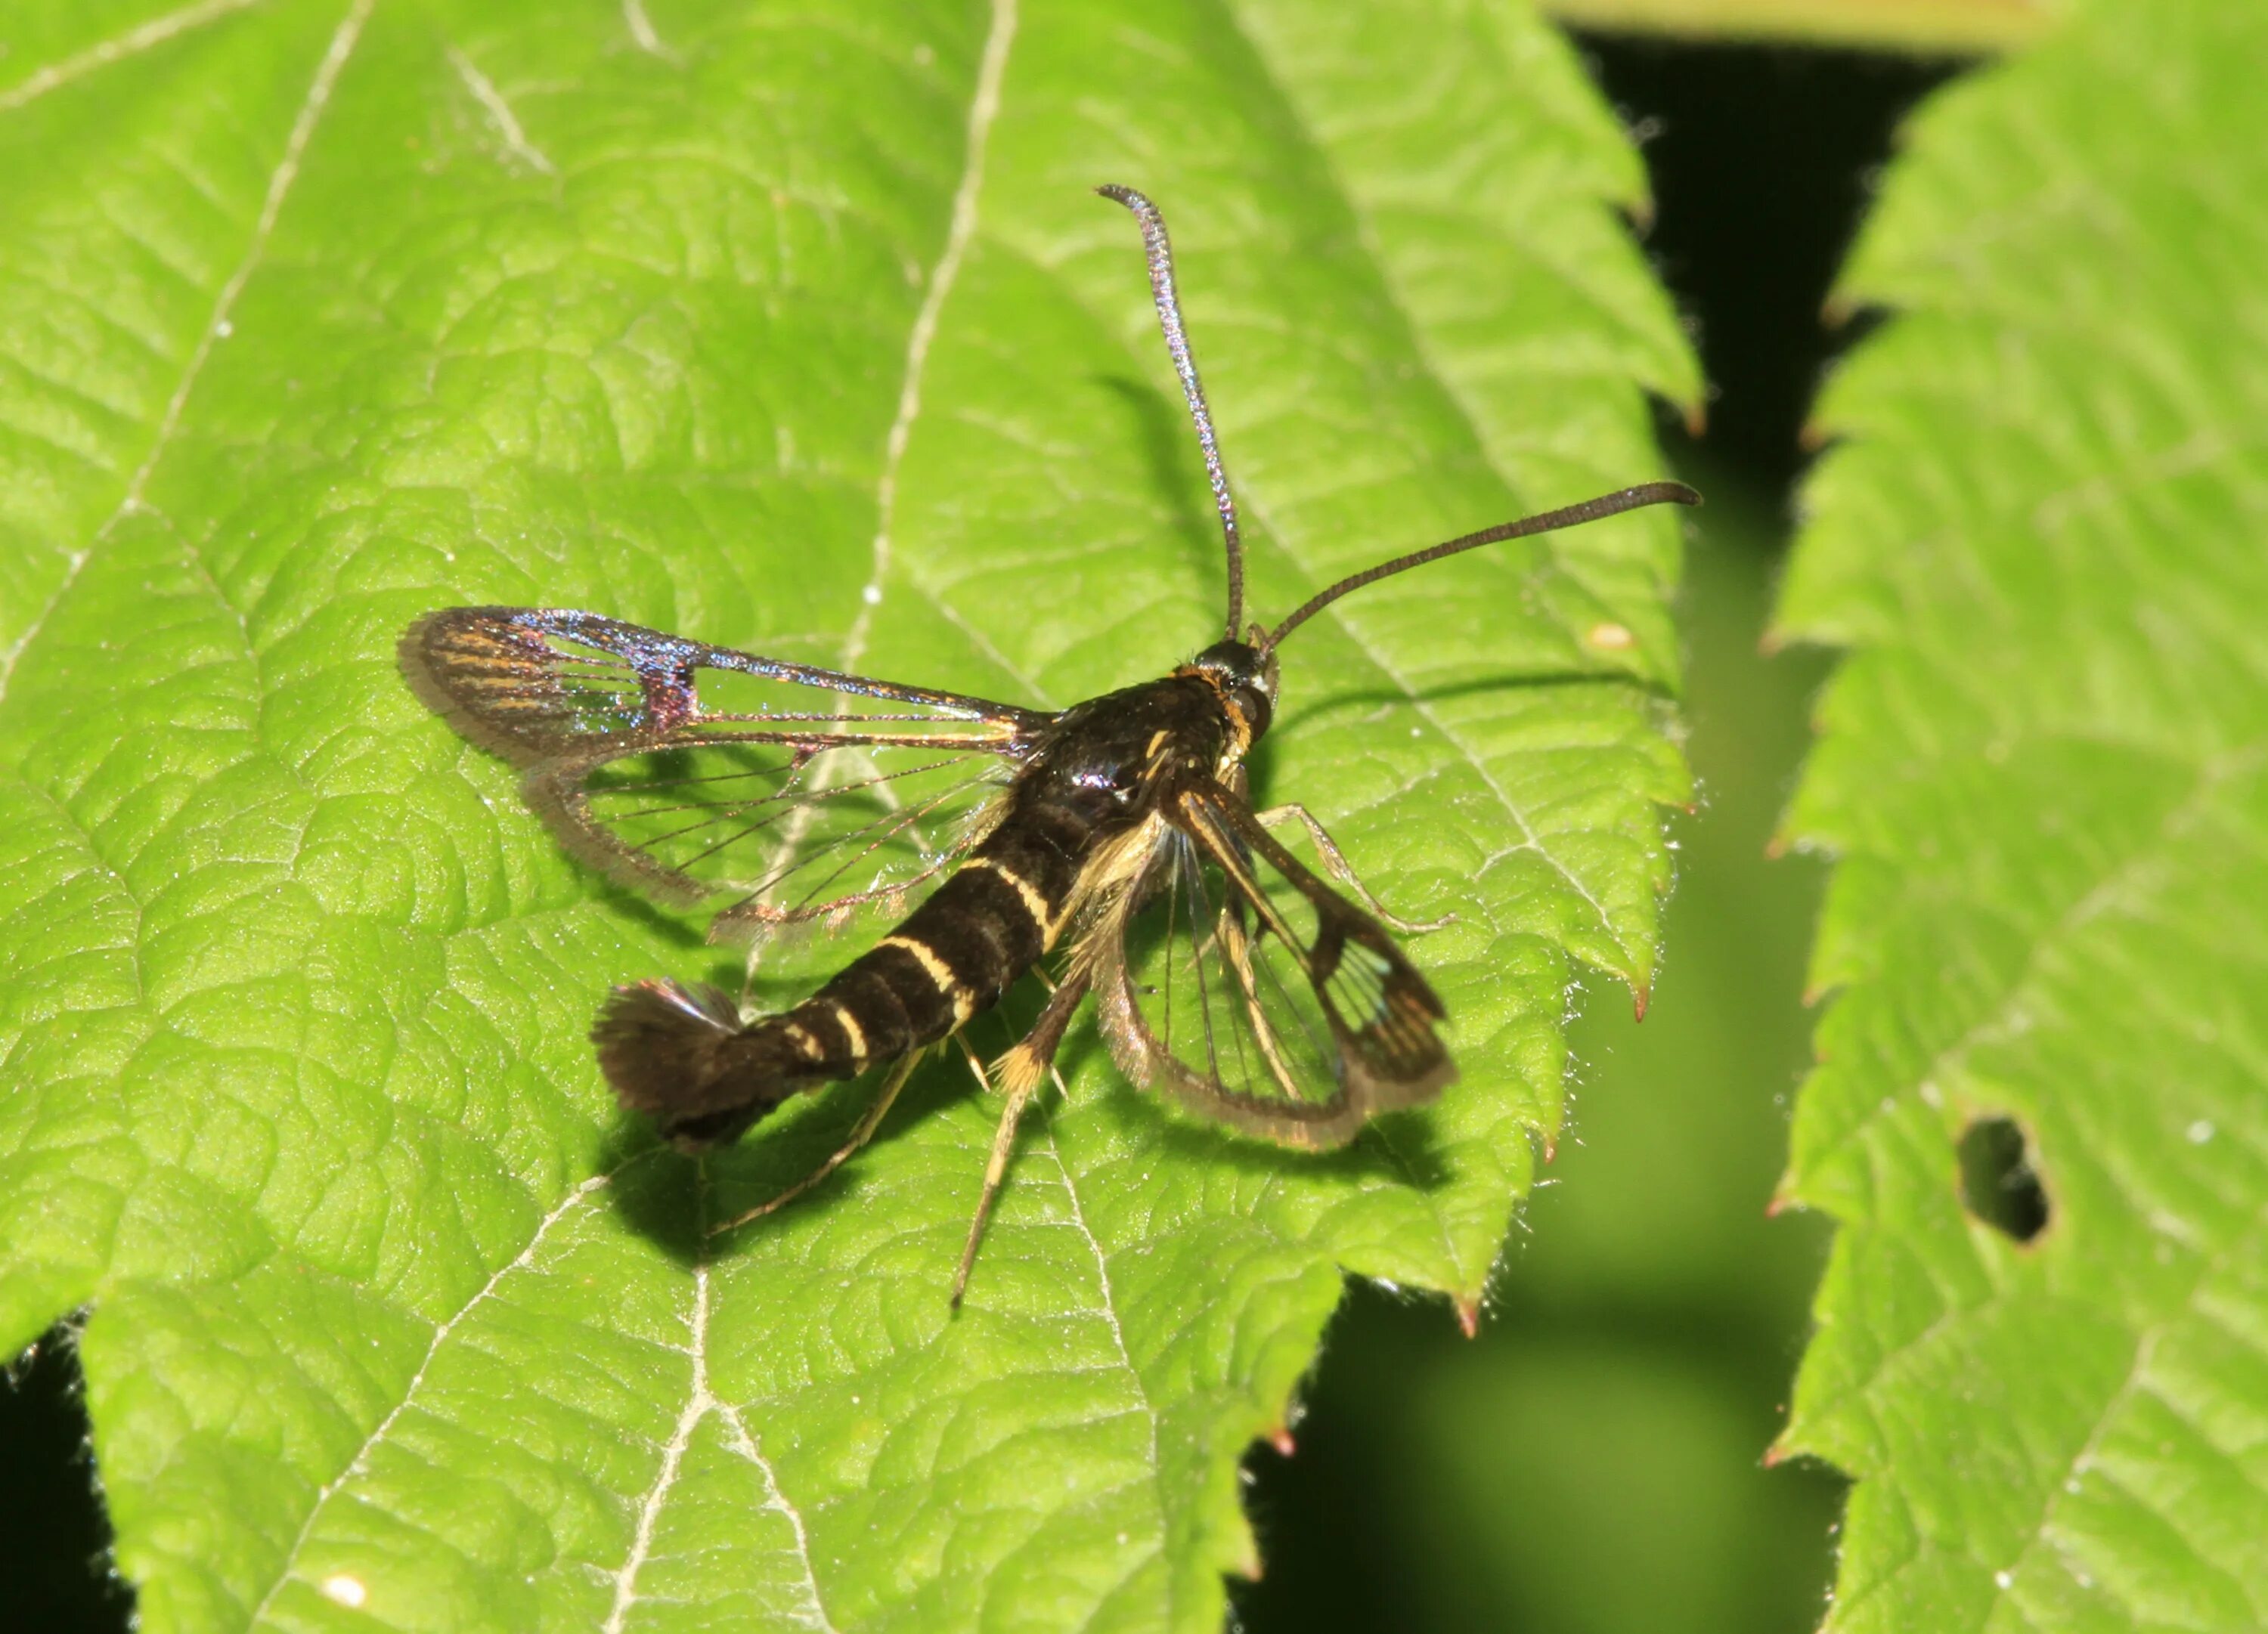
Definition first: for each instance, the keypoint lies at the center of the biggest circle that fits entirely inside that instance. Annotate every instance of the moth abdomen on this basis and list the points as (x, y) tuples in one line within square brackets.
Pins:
[(953, 958), (683, 1056)]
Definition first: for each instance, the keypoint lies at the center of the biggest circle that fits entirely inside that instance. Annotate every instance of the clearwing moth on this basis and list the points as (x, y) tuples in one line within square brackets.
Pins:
[(1227, 974)]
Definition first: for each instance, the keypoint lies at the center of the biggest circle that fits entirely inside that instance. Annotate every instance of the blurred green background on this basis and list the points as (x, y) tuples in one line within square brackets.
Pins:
[(1592, 1462)]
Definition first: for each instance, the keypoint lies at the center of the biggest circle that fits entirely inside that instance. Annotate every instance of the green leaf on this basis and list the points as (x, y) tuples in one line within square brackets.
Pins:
[(797, 330), (2046, 771)]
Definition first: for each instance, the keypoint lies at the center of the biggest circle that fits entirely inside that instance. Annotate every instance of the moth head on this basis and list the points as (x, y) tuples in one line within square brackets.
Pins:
[(1245, 676)]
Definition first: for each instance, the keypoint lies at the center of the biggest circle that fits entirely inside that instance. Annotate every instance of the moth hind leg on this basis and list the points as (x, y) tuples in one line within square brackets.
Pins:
[(900, 1070), (1335, 863), (1030, 1063), (1019, 1094)]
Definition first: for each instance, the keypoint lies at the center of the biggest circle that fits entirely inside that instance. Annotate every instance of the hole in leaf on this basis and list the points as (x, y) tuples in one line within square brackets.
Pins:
[(1998, 1183)]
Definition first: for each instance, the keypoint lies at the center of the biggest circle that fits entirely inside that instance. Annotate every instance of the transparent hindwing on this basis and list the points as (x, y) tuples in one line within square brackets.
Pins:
[(1237, 981)]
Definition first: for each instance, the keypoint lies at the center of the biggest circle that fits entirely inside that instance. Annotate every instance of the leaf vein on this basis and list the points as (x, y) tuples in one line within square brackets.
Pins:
[(983, 109), (279, 184), (507, 123), (2144, 1352), (746, 1444), (2136, 866), (1109, 1311), (355, 1465), (133, 43)]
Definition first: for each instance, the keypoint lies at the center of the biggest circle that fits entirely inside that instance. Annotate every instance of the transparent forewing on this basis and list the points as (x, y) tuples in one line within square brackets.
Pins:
[(1254, 994), (536, 683), (791, 793)]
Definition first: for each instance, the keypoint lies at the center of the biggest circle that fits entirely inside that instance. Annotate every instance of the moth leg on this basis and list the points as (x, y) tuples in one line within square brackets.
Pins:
[(1335, 863), (900, 1071), (996, 1171), (1022, 1070)]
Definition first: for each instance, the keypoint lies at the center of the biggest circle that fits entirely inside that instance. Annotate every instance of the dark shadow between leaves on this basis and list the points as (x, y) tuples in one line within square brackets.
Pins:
[(54, 1538)]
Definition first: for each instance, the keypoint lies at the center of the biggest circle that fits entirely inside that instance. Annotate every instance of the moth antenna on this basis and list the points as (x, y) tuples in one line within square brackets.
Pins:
[(1160, 252), (1543, 522)]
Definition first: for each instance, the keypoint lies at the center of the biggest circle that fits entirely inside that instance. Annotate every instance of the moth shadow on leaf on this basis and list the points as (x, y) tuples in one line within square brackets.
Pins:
[(1308, 712), (1174, 476), (677, 1198), (667, 925), (655, 1191)]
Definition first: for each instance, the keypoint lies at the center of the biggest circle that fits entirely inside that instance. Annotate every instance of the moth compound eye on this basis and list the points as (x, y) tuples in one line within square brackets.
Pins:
[(1253, 704)]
